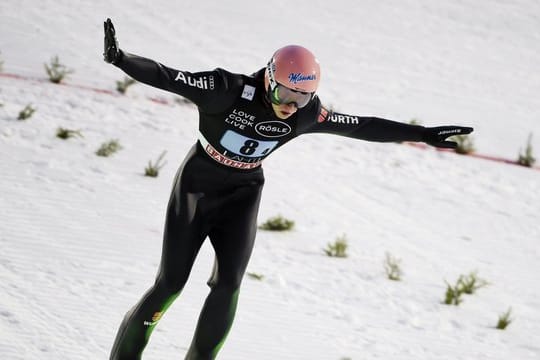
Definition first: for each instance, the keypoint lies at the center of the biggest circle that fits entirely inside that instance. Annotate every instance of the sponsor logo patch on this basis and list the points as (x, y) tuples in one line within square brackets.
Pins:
[(249, 92), (272, 129), (295, 78), (240, 119), (155, 318), (323, 115), (344, 119), (201, 82), (214, 154), (446, 132)]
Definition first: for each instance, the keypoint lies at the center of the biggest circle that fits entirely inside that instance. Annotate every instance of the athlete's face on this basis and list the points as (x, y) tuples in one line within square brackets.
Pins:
[(284, 111)]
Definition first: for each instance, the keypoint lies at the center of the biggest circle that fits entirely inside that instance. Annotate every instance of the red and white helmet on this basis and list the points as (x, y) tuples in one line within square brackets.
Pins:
[(294, 67)]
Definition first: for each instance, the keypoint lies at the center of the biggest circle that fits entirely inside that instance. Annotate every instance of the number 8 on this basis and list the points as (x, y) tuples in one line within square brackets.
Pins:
[(249, 147)]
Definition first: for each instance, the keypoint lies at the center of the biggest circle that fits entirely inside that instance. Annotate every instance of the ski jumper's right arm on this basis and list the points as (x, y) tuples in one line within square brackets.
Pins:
[(208, 90)]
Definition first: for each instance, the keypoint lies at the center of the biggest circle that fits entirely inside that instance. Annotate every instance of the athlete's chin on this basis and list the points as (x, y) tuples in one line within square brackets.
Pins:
[(283, 111), (283, 115)]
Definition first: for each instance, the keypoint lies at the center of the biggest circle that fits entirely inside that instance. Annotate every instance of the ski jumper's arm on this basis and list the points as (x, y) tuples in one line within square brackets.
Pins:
[(376, 129), (207, 89)]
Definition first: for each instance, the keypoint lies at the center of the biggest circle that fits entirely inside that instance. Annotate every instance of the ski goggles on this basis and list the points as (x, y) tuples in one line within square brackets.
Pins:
[(281, 95)]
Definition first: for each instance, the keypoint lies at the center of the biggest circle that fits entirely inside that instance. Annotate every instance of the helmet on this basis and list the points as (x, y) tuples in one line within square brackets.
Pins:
[(294, 67)]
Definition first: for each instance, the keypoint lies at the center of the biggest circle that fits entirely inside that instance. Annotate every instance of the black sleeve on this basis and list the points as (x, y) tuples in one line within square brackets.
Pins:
[(358, 127), (209, 90)]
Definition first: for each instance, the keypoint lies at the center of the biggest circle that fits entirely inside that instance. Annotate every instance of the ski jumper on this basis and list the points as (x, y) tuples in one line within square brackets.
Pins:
[(217, 190)]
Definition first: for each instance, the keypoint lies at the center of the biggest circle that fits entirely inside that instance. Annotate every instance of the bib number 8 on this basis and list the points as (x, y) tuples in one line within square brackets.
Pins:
[(246, 146), (249, 147)]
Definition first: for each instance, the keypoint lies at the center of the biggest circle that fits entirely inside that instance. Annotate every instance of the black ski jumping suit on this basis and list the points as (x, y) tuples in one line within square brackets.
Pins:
[(217, 190)]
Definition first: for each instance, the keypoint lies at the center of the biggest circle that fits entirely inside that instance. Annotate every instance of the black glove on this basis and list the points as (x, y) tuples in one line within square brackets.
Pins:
[(111, 53), (436, 136)]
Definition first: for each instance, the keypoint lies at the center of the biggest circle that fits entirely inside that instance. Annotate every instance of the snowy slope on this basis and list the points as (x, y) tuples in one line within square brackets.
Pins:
[(80, 235)]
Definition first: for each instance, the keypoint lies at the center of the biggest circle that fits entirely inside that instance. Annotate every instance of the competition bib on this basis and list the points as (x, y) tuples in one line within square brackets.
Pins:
[(242, 145)]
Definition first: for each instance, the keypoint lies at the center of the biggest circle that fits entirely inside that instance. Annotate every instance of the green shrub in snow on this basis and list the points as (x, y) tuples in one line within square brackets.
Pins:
[(108, 148), (277, 223), (465, 144), (338, 248), (255, 276), (527, 158), (152, 170), (392, 267), (470, 283), (465, 284), (453, 294), (67, 133), (56, 71), (26, 113), (504, 320), (122, 86)]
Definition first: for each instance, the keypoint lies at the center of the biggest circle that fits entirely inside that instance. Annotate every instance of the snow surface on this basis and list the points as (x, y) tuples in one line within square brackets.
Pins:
[(80, 235)]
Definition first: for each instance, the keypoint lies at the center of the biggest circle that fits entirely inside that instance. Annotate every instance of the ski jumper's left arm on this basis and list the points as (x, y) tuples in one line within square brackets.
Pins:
[(322, 120)]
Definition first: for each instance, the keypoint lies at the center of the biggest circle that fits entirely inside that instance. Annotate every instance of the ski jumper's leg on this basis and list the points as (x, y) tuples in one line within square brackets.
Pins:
[(232, 239), (184, 234)]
